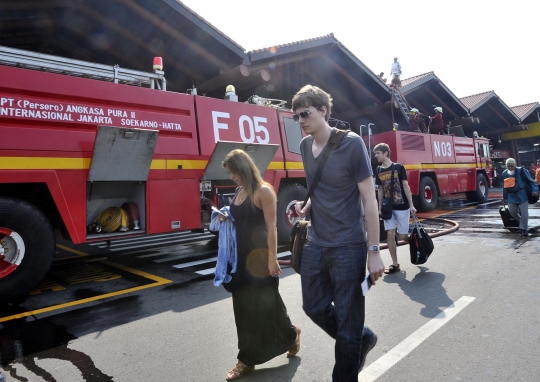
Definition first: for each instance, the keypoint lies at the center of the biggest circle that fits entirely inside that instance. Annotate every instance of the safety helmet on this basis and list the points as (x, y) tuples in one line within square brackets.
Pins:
[(439, 109), (413, 110), (395, 58)]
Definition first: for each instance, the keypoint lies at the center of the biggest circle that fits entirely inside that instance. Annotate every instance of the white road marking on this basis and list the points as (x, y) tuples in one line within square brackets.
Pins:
[(205, 272), (400, 351)]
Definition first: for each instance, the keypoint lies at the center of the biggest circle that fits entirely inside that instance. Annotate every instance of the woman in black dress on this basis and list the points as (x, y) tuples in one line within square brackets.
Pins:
[(263, 326)]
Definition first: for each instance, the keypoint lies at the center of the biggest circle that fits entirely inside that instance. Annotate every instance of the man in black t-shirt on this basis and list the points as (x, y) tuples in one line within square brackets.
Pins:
[(402, 205)]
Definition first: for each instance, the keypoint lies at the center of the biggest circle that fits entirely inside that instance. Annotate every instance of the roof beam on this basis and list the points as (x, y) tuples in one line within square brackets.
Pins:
[(36, 4), (287, 61), (169, 30), (349, 78), (441, 103), (16, 41), (420, 106), (55, 28), (504, 130), (466, 121), (325, 85), (498, 114), (370, 111), (254, 79), (30, 23), (114, 26), (224, 79)]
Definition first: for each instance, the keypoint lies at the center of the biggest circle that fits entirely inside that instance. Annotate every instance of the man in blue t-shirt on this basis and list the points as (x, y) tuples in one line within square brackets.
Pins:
[(402, 205), (337, 247)]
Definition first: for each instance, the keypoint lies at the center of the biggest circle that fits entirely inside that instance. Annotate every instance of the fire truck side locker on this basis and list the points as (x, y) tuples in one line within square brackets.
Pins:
[(261, 154), (119, 171)]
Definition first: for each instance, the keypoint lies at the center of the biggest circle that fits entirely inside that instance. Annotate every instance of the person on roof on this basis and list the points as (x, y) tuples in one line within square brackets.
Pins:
[(438, 125), (416, 121), (381, 76), (395, 73)]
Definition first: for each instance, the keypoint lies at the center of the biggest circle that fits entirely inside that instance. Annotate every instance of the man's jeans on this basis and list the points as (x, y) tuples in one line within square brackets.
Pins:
[(335, 274), (520, 212)]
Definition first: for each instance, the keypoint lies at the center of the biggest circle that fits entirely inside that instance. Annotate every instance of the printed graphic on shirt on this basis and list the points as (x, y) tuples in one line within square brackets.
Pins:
[(385, 178)]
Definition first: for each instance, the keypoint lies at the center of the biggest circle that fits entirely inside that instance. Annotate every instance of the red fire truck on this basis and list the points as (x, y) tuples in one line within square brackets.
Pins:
[(440, 165), (72, 147)]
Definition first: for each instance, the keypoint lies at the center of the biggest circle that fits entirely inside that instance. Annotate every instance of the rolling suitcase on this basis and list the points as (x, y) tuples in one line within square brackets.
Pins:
[(507, 219)]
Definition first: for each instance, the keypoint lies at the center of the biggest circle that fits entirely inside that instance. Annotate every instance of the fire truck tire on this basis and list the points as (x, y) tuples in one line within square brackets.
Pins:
[(286, 214), (427, 195), (481, 192), (27, 247)]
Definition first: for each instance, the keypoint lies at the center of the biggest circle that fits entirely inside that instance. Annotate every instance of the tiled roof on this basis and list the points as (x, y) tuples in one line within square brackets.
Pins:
[(330, 36), (209, 24), (473, 100), (412, 80), (276, 47), (524, 110)]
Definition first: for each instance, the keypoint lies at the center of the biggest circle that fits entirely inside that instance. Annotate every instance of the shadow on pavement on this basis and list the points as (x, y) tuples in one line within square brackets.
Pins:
[(425, 288)]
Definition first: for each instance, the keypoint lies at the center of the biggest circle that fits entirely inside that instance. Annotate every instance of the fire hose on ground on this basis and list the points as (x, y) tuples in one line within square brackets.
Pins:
[(455, 227)]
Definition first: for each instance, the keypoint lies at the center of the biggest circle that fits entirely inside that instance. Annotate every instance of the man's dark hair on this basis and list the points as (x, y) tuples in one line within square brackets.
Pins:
[(383, 148), (314, 96)]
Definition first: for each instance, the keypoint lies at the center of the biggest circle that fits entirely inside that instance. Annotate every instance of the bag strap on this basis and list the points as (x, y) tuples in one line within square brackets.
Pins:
[(417, 225), (335, 138), (526, 180)]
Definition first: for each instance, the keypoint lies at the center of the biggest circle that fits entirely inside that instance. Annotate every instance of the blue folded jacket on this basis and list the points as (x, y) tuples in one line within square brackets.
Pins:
[(227, 252)]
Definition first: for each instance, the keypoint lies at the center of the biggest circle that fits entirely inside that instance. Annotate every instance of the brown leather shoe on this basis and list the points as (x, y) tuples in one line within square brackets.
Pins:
[(296, 346)]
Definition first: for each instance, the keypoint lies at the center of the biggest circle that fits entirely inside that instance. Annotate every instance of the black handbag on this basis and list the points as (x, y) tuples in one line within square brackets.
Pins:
[(386, 203), (532, 199), (299, 231), (420, 244)]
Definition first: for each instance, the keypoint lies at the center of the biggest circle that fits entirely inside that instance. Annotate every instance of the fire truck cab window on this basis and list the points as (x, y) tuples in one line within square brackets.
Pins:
[(294, 135)]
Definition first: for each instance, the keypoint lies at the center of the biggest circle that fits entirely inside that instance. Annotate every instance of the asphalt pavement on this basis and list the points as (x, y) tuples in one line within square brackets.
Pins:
[(471, 313)]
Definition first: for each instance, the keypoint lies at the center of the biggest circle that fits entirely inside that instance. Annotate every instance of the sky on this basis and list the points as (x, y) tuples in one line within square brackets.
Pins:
[(473, 46)]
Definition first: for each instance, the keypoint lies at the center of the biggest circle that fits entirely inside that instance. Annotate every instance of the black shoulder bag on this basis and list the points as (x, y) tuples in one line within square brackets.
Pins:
[(299, 230), (532, 199)]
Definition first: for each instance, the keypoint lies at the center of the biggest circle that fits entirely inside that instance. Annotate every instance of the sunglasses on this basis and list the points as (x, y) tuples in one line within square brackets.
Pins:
[(303, 114)]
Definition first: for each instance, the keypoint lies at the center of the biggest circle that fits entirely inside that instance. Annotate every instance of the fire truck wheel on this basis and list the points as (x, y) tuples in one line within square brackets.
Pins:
[(481, 192), (427, 195), (286, 214), (27, 247)]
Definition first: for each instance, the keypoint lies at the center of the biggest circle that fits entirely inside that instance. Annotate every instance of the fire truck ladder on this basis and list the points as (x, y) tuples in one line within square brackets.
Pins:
[(402, 103), (54, 64)]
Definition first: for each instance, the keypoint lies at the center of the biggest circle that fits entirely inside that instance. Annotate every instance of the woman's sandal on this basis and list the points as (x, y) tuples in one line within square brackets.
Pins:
[(296, 346), (392, 269), (238, 371)]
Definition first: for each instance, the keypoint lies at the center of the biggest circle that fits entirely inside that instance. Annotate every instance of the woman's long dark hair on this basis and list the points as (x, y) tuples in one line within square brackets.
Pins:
[(241, 164)]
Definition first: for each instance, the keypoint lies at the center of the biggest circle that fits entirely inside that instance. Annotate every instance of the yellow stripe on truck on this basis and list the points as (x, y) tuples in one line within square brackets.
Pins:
[(43, 163), (295, 165), (51, 163), (438, 166)]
